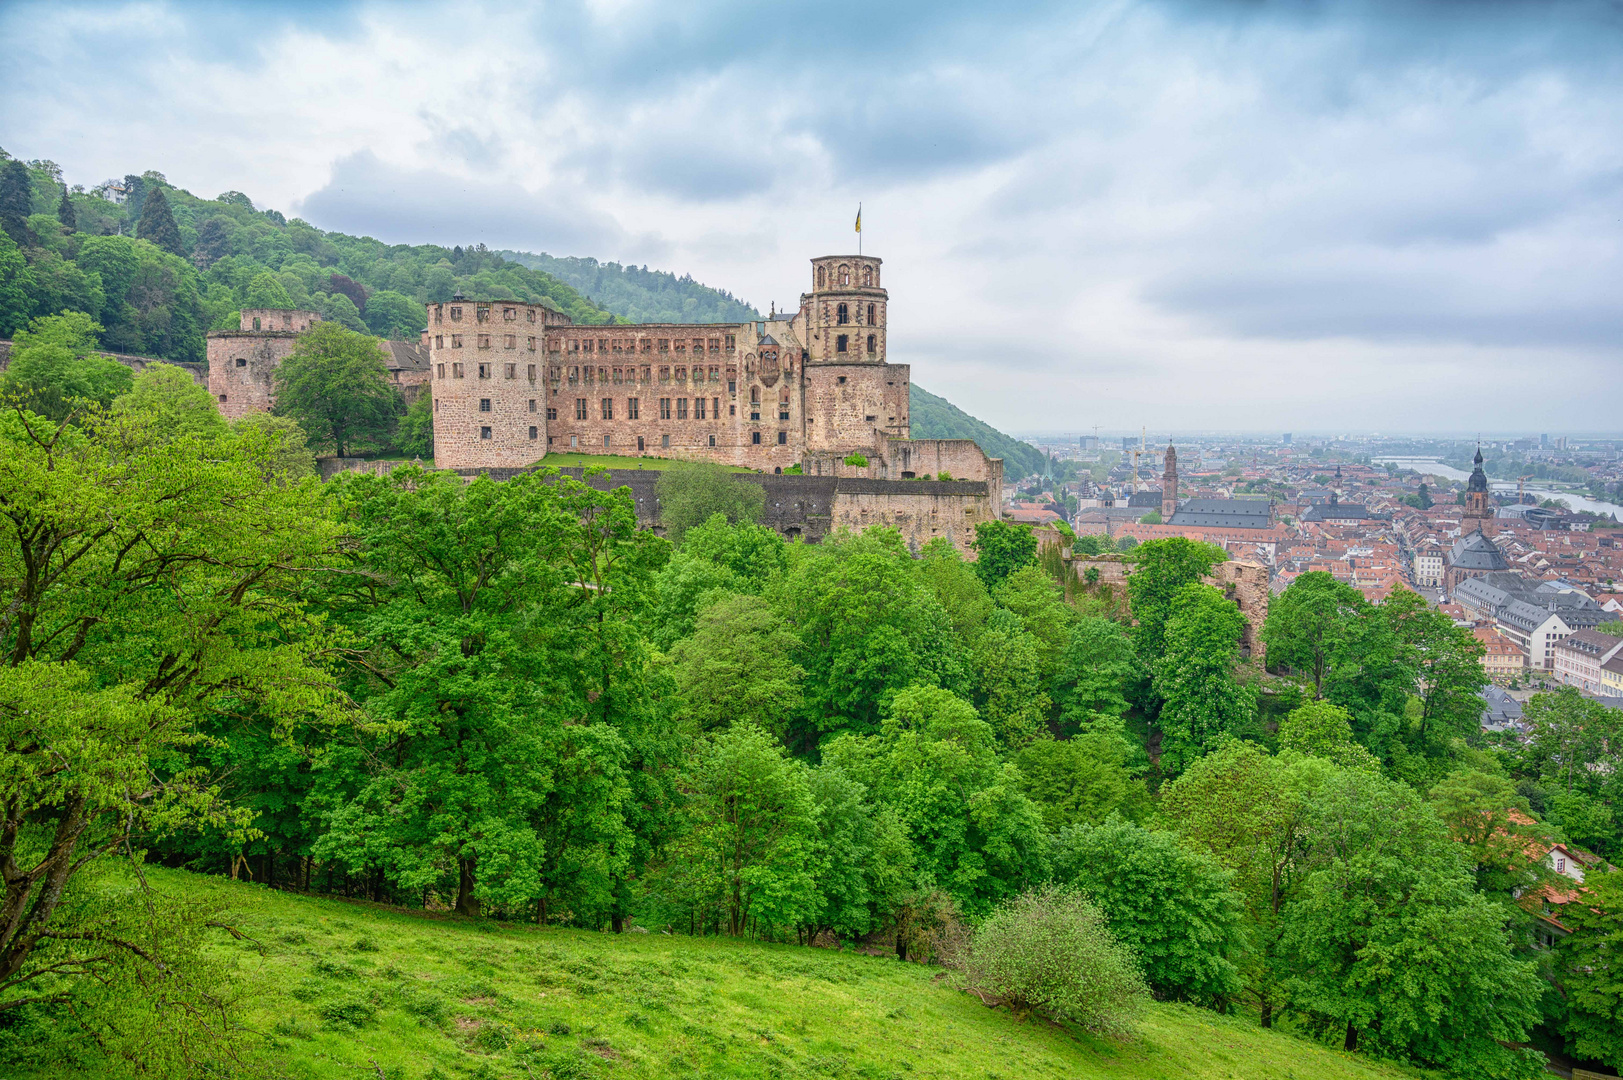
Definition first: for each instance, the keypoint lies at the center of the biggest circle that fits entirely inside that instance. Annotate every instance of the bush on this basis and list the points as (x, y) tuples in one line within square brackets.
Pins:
[(857, 461), (1050, 950)]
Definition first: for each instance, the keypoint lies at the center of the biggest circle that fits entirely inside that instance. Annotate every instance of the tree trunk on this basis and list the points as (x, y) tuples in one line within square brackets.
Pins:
[(1350, 1044), (617, 922), (1267, 1014), (466, 902)]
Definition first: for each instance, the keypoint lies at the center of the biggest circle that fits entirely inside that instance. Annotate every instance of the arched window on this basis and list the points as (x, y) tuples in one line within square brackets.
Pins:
[(755, 395), (872, 309), (867, 276), (820, 277), (872, 343), (842, 314), (845, 275)]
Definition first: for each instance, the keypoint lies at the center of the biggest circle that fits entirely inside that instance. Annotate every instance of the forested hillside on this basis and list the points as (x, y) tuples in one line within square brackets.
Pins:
[(938, 418), (158, 266), (640, 294)]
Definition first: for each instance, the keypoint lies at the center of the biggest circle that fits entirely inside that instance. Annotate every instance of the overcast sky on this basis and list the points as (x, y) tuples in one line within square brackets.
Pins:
[(1308, 216)]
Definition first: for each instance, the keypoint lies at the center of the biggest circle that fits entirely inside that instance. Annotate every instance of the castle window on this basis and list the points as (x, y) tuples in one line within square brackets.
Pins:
[(783, 438), (681, 408), (439, 314), (665, 409), (534, 432), (755, 395), (552, 414), (456, 371), (732, 386), (839, 343), (681, 374), (820, 277), (605, 442), (871, 318), (456, 314), (532, 373), (715, 345), (484, 404), (608, 408), (509, 314), (484, 341), (665, 442), (574, 440), (222, 399), (715, 374), (664, 344), (698, 408), (715, 407), (256, 322), (840, 380), (732, 410), (870, 419), (712, 440), (681, 347), (755, 438), (580, 408), (484, 371), (512, 371), (867, 279), (482, 313), (439, 341), (731, 343), (873, 343), (532, 314), (436, 404), (484, 433), (242, 361), (632, 408), (532, 344), (842, 314), (845, 275), (456, 341), (640, 445), (783, 412), (532, 404)]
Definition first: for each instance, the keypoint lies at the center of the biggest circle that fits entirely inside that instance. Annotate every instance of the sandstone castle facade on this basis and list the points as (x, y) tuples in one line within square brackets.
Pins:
[(512, 382)]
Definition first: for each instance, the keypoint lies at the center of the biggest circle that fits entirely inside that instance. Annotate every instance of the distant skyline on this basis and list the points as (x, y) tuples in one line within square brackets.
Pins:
[(1299, 217)]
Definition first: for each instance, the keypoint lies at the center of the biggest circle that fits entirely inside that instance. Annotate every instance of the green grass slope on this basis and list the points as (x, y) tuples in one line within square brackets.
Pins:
[(937, 418), (349, 990)]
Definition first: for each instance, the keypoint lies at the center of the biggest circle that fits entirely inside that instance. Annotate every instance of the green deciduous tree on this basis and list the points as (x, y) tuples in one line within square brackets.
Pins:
[(1315, 627), (1443, 664), (1202, 701), (690, 492), (335, 385), (1096, 671), (1589, 961), (738, 667), (1001, 548), (396, 317), (55, 370), (415, 434), (1320, 729), (173, 403), (1171, 903), (1161, 568), (1389, 945), (148, 584), (1085, 779), (264, 291)]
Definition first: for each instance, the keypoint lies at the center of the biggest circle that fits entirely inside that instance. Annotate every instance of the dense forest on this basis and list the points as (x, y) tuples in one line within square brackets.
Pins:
[(640, 295), (937, 418), (157, 267)]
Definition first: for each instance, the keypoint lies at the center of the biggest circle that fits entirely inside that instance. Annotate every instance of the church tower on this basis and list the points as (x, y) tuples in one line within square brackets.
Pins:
[(1478, 504), (1169, 484)]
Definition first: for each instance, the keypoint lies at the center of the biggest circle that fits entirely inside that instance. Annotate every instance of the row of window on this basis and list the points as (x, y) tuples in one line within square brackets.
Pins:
[(842, 314), (625, 345), (608, 441), (669, 409), (486, 371), (482, 313), (843, 276), (843, 343), (629, 375), (509, 341)]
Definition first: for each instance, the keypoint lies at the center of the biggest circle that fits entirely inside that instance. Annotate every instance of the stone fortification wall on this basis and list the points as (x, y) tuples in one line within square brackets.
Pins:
[(486, 379), (923, 510), (242, 362)]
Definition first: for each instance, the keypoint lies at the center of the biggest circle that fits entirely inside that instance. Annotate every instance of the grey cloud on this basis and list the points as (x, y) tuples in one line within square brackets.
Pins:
[(371, 198)]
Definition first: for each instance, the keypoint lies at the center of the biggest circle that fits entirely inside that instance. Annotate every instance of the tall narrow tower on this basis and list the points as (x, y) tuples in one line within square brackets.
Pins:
[(1169, 484), (1478, 505)]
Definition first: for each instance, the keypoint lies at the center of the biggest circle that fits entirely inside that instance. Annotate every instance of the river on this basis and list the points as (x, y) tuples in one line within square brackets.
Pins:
[(1448, 472)]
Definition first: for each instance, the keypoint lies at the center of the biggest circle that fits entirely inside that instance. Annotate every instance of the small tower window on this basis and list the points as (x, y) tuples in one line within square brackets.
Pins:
[(484, 404), (256, 322), (484, 433), (842, 314), (820, 277), (872, 310), (840, 343), (873, 343), (533, 432), (867, 279)]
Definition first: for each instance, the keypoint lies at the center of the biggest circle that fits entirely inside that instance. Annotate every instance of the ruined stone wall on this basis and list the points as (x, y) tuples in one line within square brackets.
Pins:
[(922, 509), (242, 368), (849, 406), (1246, 584)]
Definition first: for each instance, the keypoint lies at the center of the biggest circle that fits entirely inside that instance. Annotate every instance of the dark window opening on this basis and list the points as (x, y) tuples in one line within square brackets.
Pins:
[(840, 343), (484, 404), (484, 433)]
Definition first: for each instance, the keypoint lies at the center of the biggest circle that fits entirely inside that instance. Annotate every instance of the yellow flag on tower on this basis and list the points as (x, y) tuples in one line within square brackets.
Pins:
[(859, 217)]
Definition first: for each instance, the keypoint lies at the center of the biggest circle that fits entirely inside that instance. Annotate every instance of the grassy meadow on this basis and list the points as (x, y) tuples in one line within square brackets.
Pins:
[(338, 989)]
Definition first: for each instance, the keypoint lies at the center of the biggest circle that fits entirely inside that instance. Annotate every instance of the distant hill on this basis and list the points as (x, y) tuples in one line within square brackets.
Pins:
[(640, 295), (938, 418)]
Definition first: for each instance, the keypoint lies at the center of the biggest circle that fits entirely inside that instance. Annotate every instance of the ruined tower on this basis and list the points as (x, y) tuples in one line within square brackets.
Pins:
[(1169, 484)]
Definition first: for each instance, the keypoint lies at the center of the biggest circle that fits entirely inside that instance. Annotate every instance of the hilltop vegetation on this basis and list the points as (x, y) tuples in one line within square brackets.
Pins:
[(937, 418), (638, 294), (158, 266)]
